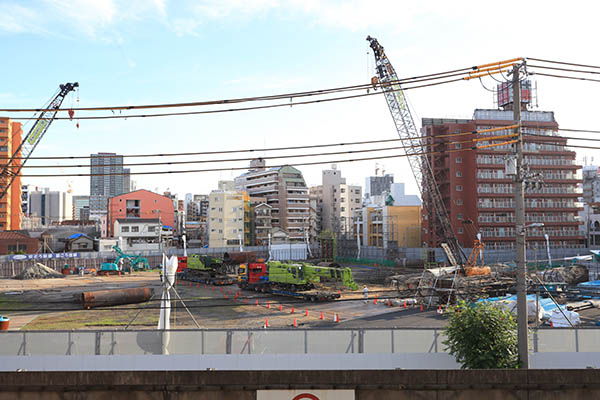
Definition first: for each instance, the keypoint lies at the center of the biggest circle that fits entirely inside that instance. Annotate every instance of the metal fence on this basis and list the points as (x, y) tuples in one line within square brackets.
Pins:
[(269, 341)]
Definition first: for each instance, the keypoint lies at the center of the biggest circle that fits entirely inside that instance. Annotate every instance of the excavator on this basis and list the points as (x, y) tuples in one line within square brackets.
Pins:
[(136, 262)]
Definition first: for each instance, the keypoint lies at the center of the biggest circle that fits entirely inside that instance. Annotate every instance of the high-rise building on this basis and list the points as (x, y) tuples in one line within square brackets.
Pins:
[(197, 208), (25, 199), (378, 185), (337, 201), (476, 185), (79, 203), (591, 184), (51, 206), (286, 192), (108, 179), (10, 205), (127, 180)]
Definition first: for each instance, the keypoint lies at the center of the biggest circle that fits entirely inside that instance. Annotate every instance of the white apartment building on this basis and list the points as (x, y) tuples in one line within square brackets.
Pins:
[(337, 201), (225, 218), (138, 233)]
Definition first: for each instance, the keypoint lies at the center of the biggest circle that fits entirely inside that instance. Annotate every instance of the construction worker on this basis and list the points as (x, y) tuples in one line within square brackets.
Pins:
[(366, 293)]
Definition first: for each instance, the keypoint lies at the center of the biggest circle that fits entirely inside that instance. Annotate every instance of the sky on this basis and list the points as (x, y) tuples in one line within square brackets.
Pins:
[(154, 52)]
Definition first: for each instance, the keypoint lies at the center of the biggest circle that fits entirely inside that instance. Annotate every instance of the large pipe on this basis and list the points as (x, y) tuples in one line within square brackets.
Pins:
[(239, 257), (115, 297)]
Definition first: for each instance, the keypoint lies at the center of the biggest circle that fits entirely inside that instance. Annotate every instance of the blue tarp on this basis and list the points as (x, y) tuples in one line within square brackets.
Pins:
[(546, 304), (76, 236), (589, 285)]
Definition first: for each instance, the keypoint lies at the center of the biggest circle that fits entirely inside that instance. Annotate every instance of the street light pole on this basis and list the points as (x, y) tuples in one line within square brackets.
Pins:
[(520, 225)]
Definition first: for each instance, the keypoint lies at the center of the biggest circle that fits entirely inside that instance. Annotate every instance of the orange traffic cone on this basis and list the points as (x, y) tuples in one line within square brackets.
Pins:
[(404, 303), (266, 322), (280, 307), (321, 314), (295, 323), (268, 305), (375, 300), (336, 318), (389, 302), (306, 313), (291, 312), (256, 301), (421, 307)]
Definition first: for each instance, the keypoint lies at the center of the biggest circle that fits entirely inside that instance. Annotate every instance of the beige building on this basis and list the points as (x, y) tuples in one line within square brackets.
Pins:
[(390, 226), (285, 191), (226, 218), (337, 201)]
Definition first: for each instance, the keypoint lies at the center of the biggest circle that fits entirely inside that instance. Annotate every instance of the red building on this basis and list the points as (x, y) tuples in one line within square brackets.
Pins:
[(475, 186), (18, 243), (140, 204)]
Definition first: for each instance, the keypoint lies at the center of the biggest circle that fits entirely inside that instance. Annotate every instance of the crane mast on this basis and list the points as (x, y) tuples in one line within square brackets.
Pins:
[(415, 148), (11, 170)]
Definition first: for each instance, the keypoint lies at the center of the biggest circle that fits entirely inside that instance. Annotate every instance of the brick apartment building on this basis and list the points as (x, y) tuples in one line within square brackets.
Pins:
[(10, 205), (475, 186), (141, 204)]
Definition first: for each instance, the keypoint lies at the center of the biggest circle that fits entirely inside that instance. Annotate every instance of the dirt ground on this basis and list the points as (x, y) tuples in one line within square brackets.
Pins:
[(49, 304)]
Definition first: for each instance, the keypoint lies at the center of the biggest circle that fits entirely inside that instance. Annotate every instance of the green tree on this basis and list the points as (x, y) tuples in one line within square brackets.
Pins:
[(482, 336)]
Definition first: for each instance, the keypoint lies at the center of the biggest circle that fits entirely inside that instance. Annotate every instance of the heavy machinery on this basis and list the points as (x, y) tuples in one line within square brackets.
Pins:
[(471, 267), (300, 280), (134, 261), (12, 169), (205, 269), (415, 147)]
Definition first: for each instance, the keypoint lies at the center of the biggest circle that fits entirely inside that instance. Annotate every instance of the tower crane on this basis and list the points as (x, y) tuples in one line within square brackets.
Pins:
[(414, 148), (11, 170)]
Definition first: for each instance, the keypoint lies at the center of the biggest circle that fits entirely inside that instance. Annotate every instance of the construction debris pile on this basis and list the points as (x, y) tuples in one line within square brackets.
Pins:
[(38, 271), (571, 275)]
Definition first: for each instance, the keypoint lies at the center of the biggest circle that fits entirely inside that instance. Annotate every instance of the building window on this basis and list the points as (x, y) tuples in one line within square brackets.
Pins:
[(460, 216), (124, 229), (151, 229), (3, 148), (460, 229), (459, 202), (135, 229), (459, 160), (342, 190), (343, 209), (459, 174), (458, 146), (459, 188)]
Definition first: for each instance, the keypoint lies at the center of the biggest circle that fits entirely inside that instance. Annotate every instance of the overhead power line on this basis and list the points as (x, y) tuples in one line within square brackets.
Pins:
[(566, 77), (266, 167), (265, 149), (414, 79), (219, 111), (563, 63)]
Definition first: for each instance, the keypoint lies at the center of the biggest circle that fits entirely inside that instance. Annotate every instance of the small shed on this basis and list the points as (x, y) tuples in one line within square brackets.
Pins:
[(79, 242)]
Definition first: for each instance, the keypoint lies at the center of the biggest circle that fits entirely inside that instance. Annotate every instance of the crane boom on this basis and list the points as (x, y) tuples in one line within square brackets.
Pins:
[(11, 170), (414, 147)]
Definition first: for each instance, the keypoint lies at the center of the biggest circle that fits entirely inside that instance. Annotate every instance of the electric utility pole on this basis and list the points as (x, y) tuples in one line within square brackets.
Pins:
[(520, 225)]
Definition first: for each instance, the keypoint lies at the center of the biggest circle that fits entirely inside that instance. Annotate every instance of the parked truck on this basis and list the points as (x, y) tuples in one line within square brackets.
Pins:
[(300, 280)]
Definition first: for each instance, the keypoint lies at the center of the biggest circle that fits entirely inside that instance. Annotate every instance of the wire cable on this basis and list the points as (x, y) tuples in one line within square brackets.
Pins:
[(414, 79), (269, 106), (245, 167), (566, 77), (563, 63), (267, 149)]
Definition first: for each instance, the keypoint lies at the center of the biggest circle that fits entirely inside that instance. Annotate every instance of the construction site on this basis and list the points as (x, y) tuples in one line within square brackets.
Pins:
[(341, 283)]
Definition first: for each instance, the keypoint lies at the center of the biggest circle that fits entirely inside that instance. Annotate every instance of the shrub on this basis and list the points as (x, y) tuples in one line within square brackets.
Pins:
[(482, 336)]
